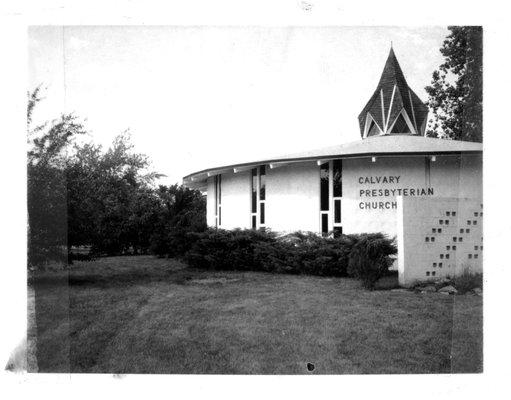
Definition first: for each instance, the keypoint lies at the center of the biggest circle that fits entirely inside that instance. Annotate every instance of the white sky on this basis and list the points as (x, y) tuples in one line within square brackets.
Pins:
[(199, 97)]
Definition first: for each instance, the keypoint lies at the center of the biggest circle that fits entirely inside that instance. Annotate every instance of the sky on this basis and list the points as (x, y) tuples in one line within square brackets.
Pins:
[(200, 97)]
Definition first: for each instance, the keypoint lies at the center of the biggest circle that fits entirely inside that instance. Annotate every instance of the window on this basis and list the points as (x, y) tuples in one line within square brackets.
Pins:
[(262, 185), (324, 224), (337, 231), (373, 129), (258, 199), (262, 193), (254, 190), (325, 198), (218, 200), (400, 126), (337, 178), (330, 211), (337, 211)]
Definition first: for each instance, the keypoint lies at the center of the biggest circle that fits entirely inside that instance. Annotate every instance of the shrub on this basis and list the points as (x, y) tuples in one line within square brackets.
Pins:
[(468, 281), (219, 249), (370, 259), (296, 253), (174, 243)]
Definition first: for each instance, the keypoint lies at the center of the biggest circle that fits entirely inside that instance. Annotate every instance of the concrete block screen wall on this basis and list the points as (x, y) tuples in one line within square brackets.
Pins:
[(438, 237)]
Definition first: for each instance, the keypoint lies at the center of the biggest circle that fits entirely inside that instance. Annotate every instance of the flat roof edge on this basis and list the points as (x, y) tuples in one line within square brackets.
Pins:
[(337, 156)]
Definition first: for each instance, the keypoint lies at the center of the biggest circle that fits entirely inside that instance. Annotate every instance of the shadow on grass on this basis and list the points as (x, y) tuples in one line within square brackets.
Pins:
[(388, 282)]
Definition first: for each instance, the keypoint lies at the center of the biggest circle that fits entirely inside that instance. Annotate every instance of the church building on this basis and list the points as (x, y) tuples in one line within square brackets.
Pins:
[(425, 191)]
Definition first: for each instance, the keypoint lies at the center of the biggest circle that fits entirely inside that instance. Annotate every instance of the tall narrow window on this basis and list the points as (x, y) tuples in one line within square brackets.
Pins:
[(337, 211), (331, 197), (254, 190), (325, 198), (262, 193), (258, 199), (218, 200), (324, 224), (262, 188), (337, 177)]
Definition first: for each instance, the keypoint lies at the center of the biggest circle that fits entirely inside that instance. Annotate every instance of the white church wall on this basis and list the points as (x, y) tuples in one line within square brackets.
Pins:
[(292, 192), (361, 186), (457, 176), (292, 197), (236, 190), (438, 237)]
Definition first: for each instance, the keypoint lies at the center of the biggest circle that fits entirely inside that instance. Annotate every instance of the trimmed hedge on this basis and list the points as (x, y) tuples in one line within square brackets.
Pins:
[(365, 257)]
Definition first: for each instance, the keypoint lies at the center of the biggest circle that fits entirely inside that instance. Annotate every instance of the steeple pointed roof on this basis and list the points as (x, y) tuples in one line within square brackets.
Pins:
[(394, 108)]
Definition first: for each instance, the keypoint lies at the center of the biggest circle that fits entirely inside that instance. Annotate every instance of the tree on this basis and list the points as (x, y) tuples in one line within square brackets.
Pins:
[(80, 194), (456, 90), (181, 211), (46, 185), (110, 200)]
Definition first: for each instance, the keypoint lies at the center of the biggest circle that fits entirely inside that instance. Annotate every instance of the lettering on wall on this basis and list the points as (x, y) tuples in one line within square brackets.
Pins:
[(368, 191)]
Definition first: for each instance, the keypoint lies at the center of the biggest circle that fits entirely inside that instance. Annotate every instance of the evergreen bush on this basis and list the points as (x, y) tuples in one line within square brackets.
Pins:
[(369, 259), (365, 257)]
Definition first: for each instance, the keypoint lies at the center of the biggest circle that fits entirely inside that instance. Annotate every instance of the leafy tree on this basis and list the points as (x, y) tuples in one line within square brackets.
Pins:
[(182, 210), (456, 90), (110, 199), (80, 194), (46, 184)]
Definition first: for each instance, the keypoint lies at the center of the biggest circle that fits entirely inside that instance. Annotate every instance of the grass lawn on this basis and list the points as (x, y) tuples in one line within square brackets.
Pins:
[(147, 315)]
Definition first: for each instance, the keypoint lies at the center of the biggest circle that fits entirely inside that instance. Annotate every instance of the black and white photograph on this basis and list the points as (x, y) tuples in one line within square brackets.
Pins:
[(255, 199)]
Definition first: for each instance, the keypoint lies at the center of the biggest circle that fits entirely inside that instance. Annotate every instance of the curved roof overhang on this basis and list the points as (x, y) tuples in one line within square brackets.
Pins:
[(378, 146)]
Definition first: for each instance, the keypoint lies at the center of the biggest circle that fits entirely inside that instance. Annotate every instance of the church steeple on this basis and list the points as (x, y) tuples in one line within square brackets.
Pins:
[(394, 108)]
